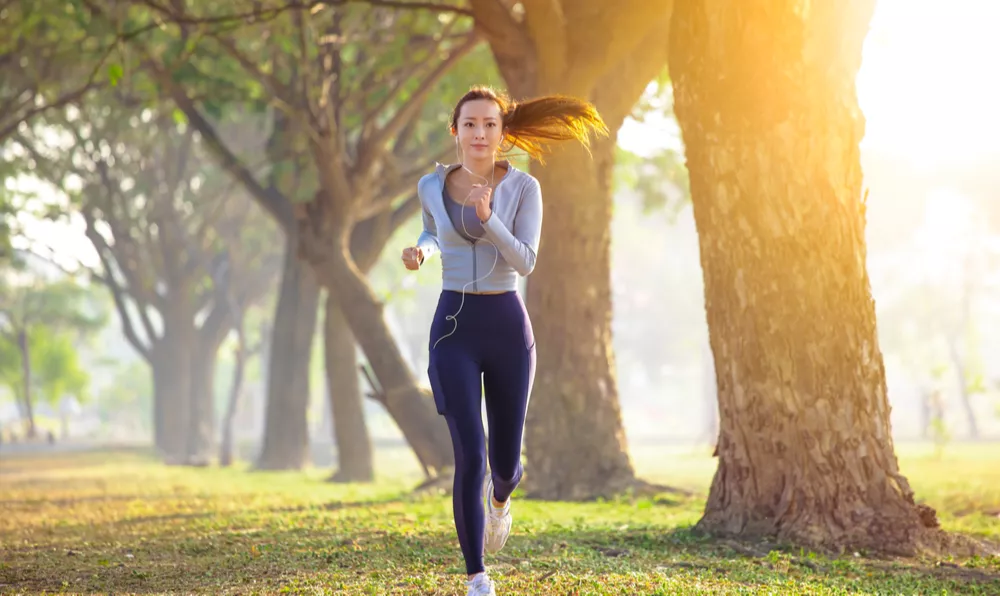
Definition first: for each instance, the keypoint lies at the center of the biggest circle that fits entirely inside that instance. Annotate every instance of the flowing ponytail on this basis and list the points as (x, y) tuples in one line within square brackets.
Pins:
[(535, 123)]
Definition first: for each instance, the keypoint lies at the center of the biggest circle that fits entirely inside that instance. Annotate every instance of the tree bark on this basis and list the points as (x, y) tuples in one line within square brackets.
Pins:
[(201, 409), (350, 431), (201, 418), (170, 358), (29, 413), (235, 392), (770, 119), (286, 430), (574, 439)]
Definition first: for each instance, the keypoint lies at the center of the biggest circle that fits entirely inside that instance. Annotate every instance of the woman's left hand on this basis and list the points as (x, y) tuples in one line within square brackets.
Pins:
[(480, 197)]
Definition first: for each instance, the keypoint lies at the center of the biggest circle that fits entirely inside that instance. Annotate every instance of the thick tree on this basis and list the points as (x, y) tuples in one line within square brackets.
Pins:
[(352, 81), (766, 100), (163, 228), (607, 53)]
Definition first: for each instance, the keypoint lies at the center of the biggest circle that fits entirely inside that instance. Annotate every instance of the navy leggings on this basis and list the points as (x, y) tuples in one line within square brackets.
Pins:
[(493, 351)]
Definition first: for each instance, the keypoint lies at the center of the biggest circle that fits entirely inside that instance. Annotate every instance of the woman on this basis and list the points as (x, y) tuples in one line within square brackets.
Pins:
[(485, 218)]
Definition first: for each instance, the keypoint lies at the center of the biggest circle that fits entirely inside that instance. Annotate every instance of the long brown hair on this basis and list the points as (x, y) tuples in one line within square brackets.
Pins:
[(532, 124)]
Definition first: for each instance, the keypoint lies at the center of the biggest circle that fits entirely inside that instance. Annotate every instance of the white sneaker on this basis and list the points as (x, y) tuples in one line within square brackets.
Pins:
[(481, 585), (498, 522)]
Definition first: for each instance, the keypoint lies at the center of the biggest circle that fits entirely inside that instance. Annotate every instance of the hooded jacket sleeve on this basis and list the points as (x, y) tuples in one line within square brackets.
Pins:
[(520, 246)]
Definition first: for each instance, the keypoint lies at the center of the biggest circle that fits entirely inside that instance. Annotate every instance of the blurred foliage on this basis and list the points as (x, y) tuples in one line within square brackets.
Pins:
[(54, 318), (660, 178), (161, 216), (129, 390)]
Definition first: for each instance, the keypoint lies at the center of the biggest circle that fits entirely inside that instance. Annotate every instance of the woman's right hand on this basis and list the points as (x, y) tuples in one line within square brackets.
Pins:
[(412, 257)]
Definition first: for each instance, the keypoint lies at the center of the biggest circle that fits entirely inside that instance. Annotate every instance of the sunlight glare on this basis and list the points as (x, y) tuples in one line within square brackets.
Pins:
[(928, 83)]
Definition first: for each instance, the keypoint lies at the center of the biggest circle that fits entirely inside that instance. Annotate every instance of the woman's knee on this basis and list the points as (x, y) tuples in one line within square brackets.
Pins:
[(473, 462), (511, 475)]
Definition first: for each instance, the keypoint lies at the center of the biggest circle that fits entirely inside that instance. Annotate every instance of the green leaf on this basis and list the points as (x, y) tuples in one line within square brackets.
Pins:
[(115, 73), (179, 117)]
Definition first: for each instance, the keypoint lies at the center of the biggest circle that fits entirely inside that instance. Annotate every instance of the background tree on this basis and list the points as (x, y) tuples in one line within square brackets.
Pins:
[(767, 105), (243, 351), (52, 54), (607, 53), (38, 319), (164, 227), (360, 121)]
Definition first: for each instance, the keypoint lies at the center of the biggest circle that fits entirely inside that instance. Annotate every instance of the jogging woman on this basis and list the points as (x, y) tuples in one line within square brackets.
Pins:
[(485, 218)]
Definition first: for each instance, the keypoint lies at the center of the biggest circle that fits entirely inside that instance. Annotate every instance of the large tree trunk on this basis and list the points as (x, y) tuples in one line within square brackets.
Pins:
[(767, 105), (201, 413), (170, 359), (286, 429), (350, 431), (232, 405), (410, 407), (574, 438), (201, 417), (29, 414), (240, 356)]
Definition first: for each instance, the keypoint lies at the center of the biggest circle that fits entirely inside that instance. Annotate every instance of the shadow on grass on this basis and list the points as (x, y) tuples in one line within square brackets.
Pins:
[(80, 500), (360, 555)]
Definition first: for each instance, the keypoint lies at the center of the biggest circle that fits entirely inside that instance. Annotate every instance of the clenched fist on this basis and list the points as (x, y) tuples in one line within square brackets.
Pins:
[(413, 257), (479, 197)]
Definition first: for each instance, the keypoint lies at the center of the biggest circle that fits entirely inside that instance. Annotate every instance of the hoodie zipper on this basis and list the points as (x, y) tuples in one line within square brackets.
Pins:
[(475, 273), (472, 243)]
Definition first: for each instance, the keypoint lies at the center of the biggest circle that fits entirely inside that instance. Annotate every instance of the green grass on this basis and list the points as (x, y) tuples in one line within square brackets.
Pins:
[(118, 522)]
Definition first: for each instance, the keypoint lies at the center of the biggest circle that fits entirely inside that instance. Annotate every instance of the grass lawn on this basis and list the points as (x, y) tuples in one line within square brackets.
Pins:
[(119, 522)]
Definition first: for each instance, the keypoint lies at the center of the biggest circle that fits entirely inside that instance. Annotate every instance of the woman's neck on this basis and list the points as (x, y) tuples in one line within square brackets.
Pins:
[(481, 168)]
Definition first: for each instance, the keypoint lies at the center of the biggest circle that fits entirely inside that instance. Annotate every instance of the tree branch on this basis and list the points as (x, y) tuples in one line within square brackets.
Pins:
[(305, 66), (546, 24), (512, 47), (118, 295), (279, 93), (406, 4), (138, 295), (277, 205), (405, 210), (370, 119), (68, 98), (256, 16), (616, 91), (377, 146), (624, 26)]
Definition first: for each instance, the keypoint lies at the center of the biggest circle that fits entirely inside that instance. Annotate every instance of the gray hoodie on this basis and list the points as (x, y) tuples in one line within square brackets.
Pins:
[(510, 239)]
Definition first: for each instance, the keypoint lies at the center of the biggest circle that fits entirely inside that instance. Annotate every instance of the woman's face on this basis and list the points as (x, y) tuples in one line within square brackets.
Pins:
[(480, 129)]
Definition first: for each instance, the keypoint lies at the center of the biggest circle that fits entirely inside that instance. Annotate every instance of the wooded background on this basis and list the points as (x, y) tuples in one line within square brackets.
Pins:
[(241, 176)]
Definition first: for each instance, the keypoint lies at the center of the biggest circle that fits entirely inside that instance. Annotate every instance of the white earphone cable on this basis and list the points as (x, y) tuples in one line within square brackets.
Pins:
[(496, 258)]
